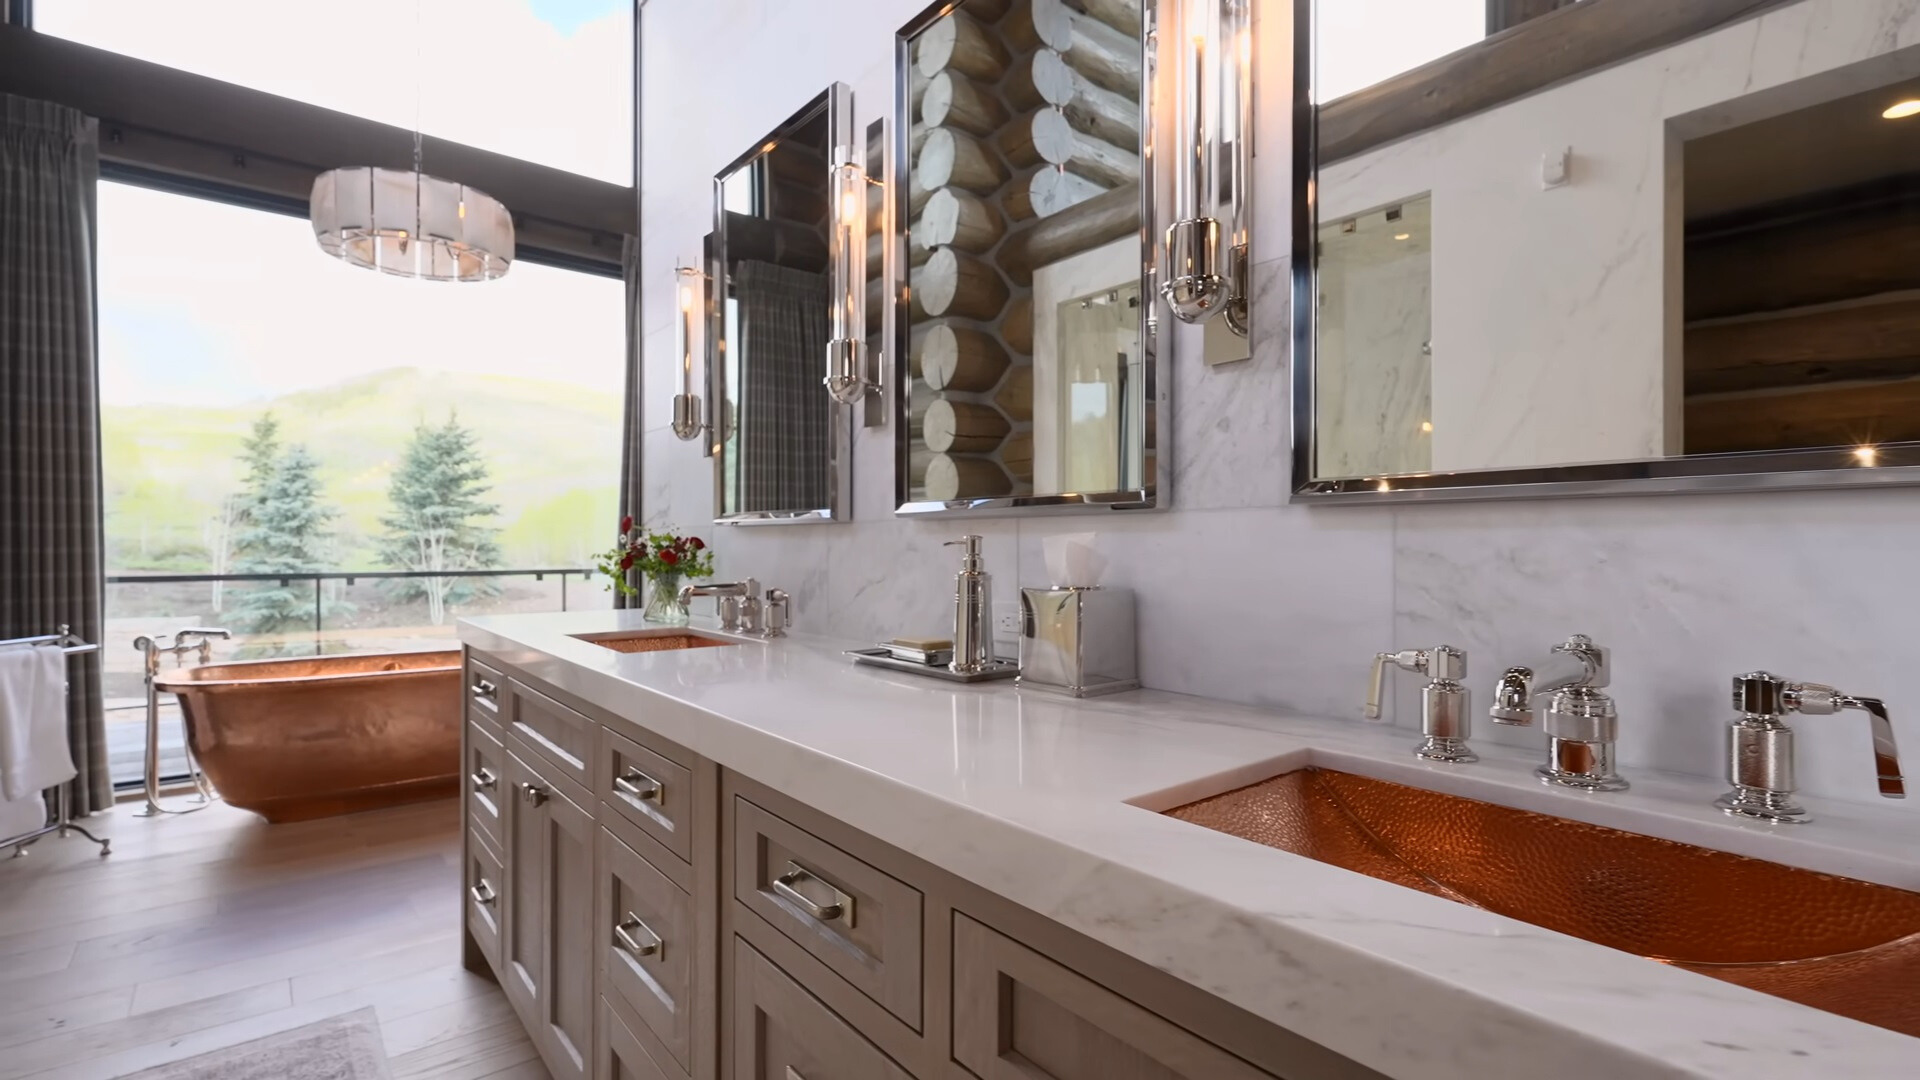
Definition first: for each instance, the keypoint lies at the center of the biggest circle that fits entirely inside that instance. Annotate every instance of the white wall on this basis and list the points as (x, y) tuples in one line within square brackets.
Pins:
[(1242, 596), (1593, 264)]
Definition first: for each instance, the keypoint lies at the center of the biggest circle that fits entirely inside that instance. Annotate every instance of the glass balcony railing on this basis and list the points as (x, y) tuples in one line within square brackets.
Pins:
[(274, 615)]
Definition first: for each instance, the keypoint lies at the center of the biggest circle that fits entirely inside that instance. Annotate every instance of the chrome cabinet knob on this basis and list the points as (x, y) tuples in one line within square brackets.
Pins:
[(534, 794)]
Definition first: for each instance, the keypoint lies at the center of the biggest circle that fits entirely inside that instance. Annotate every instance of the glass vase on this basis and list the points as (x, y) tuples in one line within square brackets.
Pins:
[(663, 601)]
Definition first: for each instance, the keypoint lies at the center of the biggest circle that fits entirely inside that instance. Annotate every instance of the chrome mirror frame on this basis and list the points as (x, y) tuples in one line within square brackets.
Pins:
[(1754, 470), (836, 101), (1162, 338)]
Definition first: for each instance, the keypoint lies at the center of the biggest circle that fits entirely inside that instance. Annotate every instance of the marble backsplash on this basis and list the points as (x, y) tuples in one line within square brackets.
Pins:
[(1245, 598)]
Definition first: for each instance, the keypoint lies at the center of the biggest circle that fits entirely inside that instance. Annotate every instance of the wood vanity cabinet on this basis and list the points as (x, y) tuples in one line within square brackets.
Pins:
[(652, 916)]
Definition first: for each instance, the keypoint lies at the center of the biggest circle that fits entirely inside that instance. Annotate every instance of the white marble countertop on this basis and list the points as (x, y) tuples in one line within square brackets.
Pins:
[(1031, 796)]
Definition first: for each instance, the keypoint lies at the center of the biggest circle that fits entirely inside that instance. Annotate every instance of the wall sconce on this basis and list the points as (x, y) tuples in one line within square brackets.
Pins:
[(847, 252), (690, 341), (1208, 264)]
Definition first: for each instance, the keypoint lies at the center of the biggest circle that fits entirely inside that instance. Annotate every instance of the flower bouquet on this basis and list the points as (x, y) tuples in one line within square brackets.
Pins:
[(663, 559)]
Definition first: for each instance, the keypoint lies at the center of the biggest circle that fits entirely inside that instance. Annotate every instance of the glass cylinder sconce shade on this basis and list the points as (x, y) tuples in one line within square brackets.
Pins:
[(1207, 243), (847, 252), (409, 224), (689, 340)]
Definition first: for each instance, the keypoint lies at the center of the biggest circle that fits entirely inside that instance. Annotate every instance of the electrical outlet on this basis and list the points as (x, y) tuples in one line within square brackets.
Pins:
[(1006, 620)]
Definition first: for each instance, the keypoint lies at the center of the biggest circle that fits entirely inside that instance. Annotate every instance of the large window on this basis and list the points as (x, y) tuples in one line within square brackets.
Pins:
[(550, 81), (266, 409)]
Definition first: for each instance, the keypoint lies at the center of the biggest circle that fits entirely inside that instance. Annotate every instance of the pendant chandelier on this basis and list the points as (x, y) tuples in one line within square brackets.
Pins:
[(410, 224)]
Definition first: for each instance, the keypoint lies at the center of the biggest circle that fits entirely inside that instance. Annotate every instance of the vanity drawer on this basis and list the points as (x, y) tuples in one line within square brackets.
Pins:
[(621, 1055), (485, 783), (645, 935), (486, 691), (1019, 1016), (857, 920), (653, 793), (556, 732), (485, 880), (781, 1032)]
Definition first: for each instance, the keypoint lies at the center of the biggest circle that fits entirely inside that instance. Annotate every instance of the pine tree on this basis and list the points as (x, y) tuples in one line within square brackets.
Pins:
[(259, 456), (286, 531), (440, 520)]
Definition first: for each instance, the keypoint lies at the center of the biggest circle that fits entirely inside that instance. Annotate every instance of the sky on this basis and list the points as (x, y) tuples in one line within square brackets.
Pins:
[(545, 80), (1360, 42), (202, 303)]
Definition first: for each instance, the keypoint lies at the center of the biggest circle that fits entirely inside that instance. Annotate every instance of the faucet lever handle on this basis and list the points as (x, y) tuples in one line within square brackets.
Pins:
[(1814, 699), (1440, 663)]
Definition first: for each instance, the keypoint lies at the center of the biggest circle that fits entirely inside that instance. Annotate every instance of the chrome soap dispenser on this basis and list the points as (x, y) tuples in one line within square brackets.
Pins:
[(972, 611)]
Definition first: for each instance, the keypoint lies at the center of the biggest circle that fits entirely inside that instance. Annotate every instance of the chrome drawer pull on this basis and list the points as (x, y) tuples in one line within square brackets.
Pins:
[(484, 779), (840, 909), (484, 688), (533, 793), (639, 785), (483, 893), (623, 933)]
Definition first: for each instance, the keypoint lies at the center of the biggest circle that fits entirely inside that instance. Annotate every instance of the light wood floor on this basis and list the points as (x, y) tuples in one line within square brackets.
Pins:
[(213, 929)]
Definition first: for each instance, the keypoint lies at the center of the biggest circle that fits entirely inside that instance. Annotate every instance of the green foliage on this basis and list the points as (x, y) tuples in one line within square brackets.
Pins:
[(287, 530), (168, 468), (439, 518)]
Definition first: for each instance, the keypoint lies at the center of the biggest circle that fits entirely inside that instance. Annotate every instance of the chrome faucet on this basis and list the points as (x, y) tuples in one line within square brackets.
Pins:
[(1760, 744), (1445, 705), (742, 608), (184, 641), (1581, 721)]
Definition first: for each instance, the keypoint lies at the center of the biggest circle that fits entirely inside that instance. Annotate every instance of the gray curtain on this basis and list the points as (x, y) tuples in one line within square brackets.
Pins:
[(784, 413), (51, 567)]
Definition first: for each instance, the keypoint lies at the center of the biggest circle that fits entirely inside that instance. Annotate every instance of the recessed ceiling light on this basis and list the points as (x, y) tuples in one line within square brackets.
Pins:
[(1909, 107), (1426, 426), (1403, 236), (1866, 455)]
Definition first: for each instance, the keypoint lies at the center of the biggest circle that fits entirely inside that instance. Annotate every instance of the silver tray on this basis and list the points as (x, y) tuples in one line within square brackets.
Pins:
[(919, 656), (999, 669)]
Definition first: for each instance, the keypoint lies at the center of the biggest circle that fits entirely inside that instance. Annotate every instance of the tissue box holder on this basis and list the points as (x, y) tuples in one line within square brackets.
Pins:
[(1078, 641)]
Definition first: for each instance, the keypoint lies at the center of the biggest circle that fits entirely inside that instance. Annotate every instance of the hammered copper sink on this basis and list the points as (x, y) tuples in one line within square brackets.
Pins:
[(652, 641), (1845, 946)]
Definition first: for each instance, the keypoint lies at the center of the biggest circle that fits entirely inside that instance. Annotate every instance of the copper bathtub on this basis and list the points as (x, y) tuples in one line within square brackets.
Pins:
[(323, 735)]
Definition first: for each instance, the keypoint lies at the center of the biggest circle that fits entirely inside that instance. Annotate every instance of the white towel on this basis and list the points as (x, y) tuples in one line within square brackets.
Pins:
[(22, 816), (33, 721)]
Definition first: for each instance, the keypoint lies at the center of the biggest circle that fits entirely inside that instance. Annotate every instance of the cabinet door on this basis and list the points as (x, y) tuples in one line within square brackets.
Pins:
[(567, 1013), (781, 1032), (523, 938), (645, 933), (621, 1055), (1020, 1016)]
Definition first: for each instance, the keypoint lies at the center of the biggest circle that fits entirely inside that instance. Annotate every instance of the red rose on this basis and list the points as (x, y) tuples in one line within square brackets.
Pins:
[(626, 523), (639, 550), (626, 562), (697, 543), (667, 556)]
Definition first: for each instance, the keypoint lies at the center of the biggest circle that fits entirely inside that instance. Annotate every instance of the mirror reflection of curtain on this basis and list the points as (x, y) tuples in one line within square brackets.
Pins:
[(784, 412), (1099, 343)]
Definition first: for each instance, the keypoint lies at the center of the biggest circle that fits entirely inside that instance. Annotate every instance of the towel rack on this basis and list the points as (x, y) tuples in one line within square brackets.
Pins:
[(62, 822)]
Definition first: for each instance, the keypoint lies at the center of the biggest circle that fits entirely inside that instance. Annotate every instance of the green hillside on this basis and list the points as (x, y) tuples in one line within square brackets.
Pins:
[(553, 450)]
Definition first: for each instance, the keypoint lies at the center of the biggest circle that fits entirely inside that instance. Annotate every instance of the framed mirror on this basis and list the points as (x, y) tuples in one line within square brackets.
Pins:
[(1027, 337), (782, 447), (1606, 247)]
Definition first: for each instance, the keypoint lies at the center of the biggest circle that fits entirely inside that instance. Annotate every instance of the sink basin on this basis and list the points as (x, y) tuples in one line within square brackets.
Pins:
[(653, 640), (1845, 946)]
